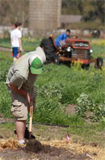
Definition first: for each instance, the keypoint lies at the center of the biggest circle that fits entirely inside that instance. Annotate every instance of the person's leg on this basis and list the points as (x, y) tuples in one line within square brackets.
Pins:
[(20, 129), (15, 50), (14, 59), (18, 53), (20, 114)]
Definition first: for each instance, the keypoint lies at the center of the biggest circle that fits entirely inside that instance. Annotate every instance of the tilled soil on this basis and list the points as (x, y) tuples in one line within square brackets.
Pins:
[(53, 154), (34, 150), (47, 147)]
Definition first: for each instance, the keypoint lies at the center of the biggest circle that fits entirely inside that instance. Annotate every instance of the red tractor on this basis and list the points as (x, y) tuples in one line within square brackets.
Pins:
[(71, 50)]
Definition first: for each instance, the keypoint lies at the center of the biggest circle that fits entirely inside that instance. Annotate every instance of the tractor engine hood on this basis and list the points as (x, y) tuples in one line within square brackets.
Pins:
[(77, 43)]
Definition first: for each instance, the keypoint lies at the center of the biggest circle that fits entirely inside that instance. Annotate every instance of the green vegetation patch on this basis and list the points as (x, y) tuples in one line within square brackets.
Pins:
[(59, 86)]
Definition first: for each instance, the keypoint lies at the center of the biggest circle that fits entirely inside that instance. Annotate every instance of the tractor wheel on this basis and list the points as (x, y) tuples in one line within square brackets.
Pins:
[(99, 62), (85, 66), (56, 59)]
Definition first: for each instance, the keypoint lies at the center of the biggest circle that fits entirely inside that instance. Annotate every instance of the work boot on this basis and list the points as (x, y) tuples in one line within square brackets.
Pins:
[(26, 135)]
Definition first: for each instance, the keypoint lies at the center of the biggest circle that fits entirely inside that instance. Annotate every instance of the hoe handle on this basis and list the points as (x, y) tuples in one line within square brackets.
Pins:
[(30, 121), (31, 114)]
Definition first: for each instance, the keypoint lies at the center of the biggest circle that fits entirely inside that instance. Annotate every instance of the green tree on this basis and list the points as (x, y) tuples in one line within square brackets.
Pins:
[(71, 7), (13, 10), (100, 10), (94, 11)]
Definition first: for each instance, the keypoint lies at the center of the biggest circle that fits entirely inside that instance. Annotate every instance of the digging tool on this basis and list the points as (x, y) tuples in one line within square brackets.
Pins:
[(30, 122), (31, 114)]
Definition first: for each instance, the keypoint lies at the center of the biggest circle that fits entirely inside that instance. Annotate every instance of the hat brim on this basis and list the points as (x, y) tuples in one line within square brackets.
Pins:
[(36, 71)]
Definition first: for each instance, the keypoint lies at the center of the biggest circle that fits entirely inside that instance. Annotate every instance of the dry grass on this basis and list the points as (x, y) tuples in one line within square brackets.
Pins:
[(92, 152), (95, 153), (9, 143)]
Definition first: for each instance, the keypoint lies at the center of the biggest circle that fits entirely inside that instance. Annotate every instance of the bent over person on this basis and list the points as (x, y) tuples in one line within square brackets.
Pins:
[(16, 43), (20, 81)]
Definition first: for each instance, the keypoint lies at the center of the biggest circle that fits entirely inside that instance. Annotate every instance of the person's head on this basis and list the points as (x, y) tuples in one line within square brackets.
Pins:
[(18, 25), (36, 64), (68, 32)]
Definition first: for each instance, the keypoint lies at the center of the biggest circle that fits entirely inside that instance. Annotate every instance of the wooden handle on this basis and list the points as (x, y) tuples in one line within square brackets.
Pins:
[(30, 122)]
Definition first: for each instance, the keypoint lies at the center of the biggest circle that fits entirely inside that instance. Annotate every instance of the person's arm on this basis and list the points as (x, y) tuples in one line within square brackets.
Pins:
[(64, 36), (20, 44), (11, 40), (20, 40), (33, 97), (17, 80), (59, 38), (16, 83)]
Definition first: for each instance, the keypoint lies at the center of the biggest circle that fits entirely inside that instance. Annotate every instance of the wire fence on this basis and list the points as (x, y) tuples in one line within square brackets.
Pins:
[(52, 125)]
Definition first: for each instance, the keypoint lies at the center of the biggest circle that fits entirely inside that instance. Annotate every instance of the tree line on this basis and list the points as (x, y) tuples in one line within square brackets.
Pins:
[(91, 10), (18, 10), (14, 10)]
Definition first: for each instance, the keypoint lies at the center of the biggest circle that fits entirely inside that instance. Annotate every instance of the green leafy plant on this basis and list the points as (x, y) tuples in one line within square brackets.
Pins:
[(84, 103), (87, 109)]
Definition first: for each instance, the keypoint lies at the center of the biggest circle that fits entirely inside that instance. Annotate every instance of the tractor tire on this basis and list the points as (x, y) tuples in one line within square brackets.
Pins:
[(56, 59), (85, 66), (99, 62)]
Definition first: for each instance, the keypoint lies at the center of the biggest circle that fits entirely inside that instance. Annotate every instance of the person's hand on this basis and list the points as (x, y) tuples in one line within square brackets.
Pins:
[(11, 49), (21, 49), (28, 98)]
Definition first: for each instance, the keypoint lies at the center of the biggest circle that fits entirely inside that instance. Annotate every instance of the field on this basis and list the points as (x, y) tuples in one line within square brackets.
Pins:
[(72, 98)]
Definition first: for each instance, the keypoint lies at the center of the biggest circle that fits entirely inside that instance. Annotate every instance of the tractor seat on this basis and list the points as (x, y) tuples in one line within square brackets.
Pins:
[(51, 37)]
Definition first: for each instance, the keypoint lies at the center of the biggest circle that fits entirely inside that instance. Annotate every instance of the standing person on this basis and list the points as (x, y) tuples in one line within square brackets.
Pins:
[(22, 76), (16, 43), (62, 37)]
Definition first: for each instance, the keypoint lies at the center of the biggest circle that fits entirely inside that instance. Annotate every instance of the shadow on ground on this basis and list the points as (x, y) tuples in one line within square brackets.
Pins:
[(34, 150)]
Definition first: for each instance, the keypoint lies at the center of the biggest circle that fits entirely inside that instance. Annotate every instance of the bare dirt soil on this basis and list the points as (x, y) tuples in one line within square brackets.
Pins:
[(50, 144), (70, 109), (39, 151)]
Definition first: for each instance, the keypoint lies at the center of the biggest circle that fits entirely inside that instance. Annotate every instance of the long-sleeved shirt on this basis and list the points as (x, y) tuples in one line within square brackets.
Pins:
[(61, 37)]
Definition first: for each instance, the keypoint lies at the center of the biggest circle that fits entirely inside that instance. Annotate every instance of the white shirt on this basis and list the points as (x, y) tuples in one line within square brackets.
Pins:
[(15, 35)]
